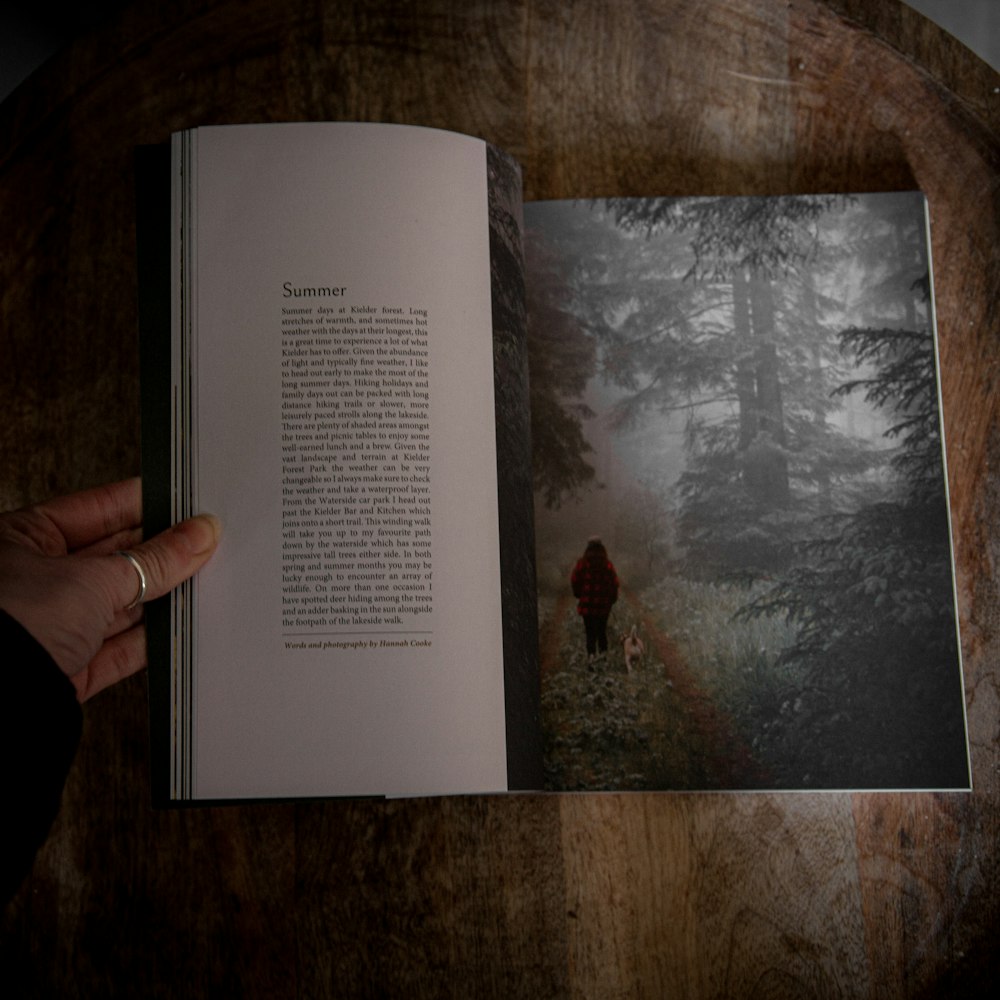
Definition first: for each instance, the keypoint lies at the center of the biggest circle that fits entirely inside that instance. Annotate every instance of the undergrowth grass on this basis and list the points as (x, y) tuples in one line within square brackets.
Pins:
[(735, 661)]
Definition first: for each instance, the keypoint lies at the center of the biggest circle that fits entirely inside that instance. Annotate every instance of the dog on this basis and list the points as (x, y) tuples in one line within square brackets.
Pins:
[(633, 649)]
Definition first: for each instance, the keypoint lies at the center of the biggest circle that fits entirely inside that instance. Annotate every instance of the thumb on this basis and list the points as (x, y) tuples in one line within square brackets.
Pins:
[(169, 558)]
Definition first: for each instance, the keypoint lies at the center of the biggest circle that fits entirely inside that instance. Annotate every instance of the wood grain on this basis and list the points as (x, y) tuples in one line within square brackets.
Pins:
[(578, 895)]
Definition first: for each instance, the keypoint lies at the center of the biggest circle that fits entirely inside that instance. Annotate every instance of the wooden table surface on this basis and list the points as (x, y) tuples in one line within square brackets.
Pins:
[(811, 895)]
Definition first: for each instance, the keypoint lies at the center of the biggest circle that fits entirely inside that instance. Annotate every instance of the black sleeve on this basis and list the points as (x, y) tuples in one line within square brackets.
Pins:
[(40, 733)]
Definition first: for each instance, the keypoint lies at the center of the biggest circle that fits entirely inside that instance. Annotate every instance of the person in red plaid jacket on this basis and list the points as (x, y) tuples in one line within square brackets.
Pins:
[(595, 586)]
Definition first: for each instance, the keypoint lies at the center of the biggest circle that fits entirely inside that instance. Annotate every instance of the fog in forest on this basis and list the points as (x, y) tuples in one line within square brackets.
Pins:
[(739, 397), (631, 500)]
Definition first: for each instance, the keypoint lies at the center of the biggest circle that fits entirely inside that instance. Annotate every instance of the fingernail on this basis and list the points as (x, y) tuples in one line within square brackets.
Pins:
[(201, 533)]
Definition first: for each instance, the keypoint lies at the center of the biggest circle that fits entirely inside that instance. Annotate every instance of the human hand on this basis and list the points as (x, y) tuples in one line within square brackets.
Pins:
[(61, 579)]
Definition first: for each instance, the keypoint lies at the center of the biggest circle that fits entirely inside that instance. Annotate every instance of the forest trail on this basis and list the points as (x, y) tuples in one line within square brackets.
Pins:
[(654, 728), (731, 759), (551, 636)]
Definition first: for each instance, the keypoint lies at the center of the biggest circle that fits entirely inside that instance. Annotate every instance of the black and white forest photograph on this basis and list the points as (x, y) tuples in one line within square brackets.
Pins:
[(743, 544)]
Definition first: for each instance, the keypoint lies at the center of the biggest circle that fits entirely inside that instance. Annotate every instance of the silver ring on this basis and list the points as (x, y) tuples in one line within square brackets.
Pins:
[(137, 566)]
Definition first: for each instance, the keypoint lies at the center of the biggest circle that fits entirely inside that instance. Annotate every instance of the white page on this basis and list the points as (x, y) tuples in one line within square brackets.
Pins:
[(390, 216)]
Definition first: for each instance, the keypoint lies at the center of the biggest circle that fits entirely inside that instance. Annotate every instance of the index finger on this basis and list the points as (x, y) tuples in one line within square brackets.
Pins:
[(90, 515)]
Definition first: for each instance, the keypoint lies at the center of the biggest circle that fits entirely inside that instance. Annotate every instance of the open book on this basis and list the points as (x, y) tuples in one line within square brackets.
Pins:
[(336, 335)]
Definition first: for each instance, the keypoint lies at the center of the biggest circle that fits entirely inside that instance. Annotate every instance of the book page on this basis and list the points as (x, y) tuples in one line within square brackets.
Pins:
[(347, 632), (745, 568)]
